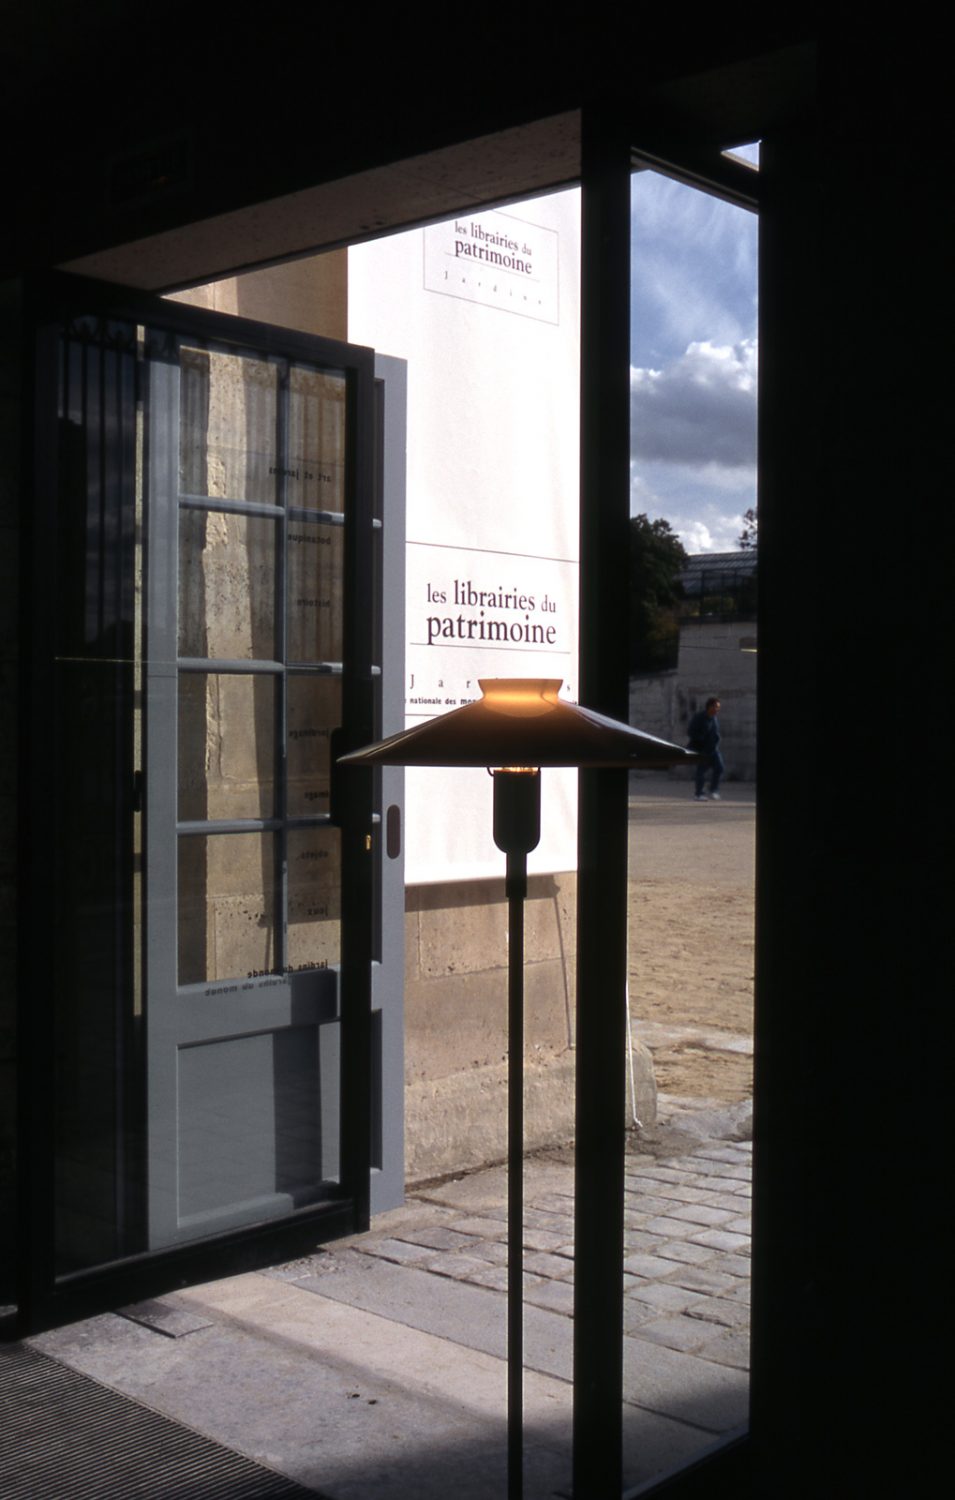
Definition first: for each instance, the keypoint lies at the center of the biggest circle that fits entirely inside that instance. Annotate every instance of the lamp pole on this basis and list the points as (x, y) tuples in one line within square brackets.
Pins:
[(517, 803), (517, 726)]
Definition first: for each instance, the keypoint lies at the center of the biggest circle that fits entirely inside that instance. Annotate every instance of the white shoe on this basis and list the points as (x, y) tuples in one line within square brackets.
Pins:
[(715, 797), (700, 797)]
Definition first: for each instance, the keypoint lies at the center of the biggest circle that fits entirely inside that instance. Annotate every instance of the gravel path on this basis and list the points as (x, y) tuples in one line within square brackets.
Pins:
[(691, 935)]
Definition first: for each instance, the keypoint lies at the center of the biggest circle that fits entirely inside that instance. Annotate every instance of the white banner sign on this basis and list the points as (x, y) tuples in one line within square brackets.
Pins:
[(501, 260), (485, 309)]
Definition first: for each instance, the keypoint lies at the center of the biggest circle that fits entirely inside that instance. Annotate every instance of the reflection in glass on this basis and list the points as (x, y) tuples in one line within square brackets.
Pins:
[(227, 445), (316, 467), (314, 710), (315, 562), (226, 926), (314, 897), (226, 746), (226, 586)]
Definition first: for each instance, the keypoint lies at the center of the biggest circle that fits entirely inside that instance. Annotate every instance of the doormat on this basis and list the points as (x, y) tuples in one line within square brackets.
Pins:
[(63, 1436)]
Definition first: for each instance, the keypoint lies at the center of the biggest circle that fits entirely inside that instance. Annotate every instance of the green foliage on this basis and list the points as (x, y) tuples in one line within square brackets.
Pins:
[(656, 558), (749, 535)]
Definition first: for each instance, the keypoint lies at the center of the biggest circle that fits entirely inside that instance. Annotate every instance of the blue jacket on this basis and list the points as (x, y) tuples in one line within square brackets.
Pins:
[(704, 732)]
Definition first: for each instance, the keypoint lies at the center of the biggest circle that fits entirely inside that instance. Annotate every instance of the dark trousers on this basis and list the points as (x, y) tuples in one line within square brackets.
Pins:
[(714, 764)]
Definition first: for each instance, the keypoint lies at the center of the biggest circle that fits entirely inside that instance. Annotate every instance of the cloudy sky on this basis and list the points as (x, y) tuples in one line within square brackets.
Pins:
[(693, 362)]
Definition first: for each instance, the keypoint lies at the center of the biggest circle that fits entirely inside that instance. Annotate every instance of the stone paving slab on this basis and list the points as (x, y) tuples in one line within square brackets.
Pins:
[(703, 1213), (734, 1202), (661, 1296), (482, 1228), (546, 1239), (648, 1265), (405, 1252), (437, 1238), (463, 1312), (722, 1310), (702, 1279), (557, 1296), (667, 1226), (683, 1192), (680, 1332), (165, 1315), (498, 1277), (557, 1267), (742, 1292), (684, 1386), (732, 1264), (730, 1349), (683, 1251), (723, 1239)]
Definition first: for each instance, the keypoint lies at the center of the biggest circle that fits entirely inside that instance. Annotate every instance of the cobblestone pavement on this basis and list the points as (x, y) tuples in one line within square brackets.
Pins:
[(686, 1267)]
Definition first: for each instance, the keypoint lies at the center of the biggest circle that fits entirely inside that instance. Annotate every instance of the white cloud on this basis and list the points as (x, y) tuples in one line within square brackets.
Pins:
[(706, 517), (718, 533), (700, 410), (697, 537)]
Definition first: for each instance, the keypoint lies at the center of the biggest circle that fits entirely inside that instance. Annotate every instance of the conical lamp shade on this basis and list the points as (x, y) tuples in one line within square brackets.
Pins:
[(521, 722)]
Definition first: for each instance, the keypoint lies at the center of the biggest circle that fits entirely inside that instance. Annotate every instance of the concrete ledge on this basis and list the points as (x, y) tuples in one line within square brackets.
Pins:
[(460, 1122)]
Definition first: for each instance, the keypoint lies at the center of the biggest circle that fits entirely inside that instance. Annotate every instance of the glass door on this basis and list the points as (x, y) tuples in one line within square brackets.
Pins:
[(220, 1020)]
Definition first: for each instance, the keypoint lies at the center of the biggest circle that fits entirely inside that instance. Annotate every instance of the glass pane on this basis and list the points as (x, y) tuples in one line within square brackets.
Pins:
[(226, 919), (91, 835), (226, 746), (314, 710), (314, 897), (691, 904), (226, 586), (227, 444), (316, 439), (315, 563)]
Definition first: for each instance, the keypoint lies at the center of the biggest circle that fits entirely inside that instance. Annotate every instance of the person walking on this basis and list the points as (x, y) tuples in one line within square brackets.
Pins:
[(704, 732)]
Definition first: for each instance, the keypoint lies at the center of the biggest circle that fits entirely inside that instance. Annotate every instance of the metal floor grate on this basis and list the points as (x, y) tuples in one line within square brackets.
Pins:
[(63, 1436)]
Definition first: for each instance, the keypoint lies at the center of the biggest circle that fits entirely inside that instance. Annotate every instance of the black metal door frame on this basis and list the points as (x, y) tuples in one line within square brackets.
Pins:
[(607, 156)]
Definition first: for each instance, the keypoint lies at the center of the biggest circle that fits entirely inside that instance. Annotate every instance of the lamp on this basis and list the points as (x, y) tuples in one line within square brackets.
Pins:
[(516, 727)]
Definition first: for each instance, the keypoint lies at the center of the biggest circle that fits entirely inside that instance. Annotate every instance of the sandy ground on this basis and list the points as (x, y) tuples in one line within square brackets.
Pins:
[(691, 935)]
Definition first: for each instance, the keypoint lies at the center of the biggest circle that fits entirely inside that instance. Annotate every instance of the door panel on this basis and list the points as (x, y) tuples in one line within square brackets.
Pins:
[(242, 974)]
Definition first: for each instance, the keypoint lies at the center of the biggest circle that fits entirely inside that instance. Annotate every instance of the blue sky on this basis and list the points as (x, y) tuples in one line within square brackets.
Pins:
[(692, 361)]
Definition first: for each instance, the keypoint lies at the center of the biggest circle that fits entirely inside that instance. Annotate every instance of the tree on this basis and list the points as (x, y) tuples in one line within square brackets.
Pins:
[(748, 535), (656, 557)]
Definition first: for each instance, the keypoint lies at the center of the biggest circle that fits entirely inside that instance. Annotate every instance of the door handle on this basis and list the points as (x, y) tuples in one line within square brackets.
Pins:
[(393, 831)]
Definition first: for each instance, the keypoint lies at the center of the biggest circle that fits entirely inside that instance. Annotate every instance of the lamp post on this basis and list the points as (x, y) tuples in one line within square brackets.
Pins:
[(516, 727)]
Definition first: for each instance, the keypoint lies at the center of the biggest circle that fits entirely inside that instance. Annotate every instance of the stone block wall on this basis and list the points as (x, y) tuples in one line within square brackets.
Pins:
[(456, 1020), (654, 704), (456, 1023)]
